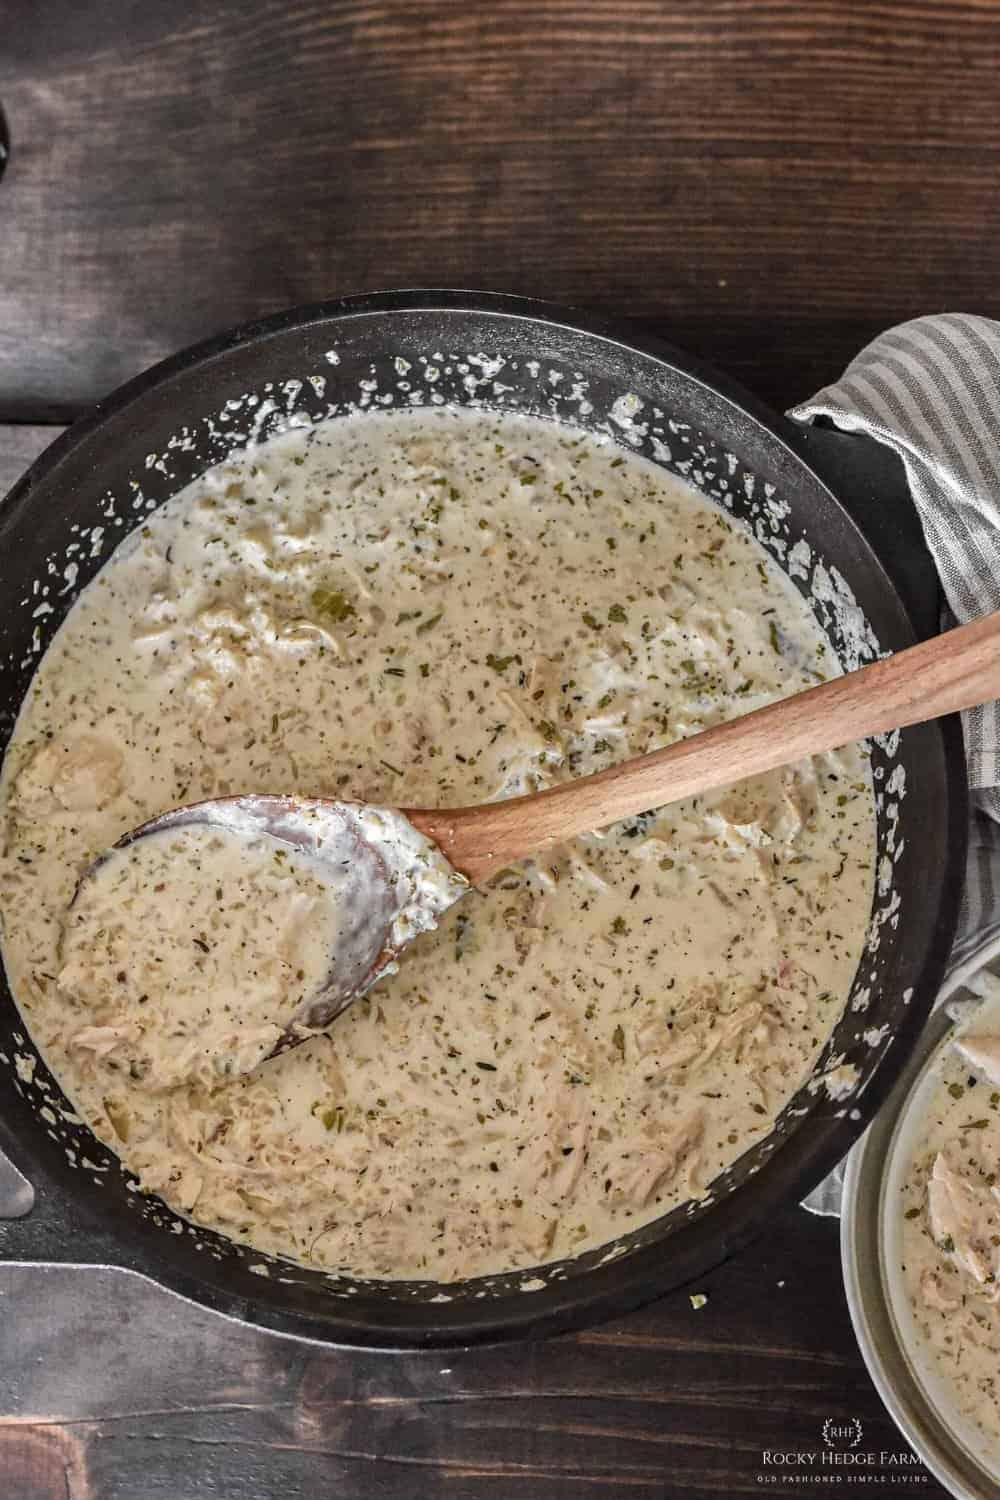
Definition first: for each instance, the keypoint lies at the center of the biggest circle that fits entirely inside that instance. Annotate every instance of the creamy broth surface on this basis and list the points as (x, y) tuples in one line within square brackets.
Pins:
[(950, 1226), (423, 609)]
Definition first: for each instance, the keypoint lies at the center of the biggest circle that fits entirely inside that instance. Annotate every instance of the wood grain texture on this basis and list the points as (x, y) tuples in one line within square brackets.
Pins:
[(767, 183), (20, 445), (115, 1389)]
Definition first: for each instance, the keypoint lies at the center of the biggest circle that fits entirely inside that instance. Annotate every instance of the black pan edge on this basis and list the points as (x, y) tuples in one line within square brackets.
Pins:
[(618, 1287)]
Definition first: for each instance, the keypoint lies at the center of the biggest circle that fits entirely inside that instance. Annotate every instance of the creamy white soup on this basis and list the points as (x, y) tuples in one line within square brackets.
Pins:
[(950, 1226), (431, 608)]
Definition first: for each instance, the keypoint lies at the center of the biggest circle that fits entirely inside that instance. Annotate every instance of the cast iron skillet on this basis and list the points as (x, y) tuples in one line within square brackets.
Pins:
[(164, 428)]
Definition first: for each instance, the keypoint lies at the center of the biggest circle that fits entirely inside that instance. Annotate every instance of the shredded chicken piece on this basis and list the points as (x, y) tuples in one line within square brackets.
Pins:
[(934, 1297), (688, 1047), (75, 772), (571, 1147), (964, 1217), (646, 1170), (101, 1040), (982, 1053)]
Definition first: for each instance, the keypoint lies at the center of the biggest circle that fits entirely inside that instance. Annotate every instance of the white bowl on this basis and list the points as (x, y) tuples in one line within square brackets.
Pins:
[(917, 1396)]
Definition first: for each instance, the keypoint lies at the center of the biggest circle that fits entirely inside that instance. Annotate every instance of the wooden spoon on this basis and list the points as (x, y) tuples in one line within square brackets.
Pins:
[(954, 671)]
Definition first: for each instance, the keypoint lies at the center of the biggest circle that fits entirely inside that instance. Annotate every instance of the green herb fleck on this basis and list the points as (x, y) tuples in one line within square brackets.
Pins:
[(330, 1116), (332, 604)]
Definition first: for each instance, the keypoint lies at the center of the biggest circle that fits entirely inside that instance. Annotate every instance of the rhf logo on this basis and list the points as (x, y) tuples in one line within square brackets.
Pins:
[(844, 1434)]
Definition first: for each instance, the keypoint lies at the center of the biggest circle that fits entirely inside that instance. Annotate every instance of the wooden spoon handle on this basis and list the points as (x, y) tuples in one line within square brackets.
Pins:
[(956, 670)]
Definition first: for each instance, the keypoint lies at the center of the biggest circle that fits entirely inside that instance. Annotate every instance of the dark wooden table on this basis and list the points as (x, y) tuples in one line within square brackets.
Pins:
[(767, 184)]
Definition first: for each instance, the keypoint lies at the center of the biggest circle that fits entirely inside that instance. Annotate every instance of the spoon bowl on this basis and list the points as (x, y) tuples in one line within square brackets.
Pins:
[(331, 833), (386, 882)]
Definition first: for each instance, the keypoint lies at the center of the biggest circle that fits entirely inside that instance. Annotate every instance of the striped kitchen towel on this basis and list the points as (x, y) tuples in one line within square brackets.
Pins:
[(930, 390)]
